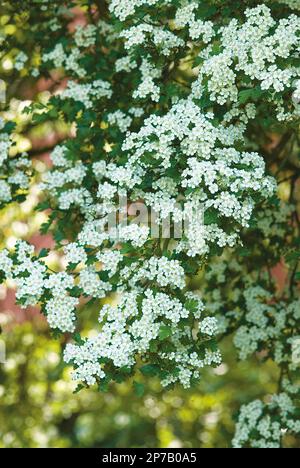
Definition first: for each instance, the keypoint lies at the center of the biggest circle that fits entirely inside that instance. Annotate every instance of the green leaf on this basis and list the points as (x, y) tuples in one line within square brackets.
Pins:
[(43, 206), (44, 253), (206, 11), (59, 236), (149, 370), (192, 305), (211, 216), (243, 252), (9, 127), (250, 95), (78, 340), (164, 332), (72, 266), (292, 256), (76, 291), (198, 61), (78, 389), (127, 248)]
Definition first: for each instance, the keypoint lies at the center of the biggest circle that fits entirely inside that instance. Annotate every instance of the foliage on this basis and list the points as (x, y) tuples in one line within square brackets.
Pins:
[(175, 105)]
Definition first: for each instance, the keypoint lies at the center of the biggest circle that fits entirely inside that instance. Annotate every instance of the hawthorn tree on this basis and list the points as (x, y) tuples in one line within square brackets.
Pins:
[(190, 110)]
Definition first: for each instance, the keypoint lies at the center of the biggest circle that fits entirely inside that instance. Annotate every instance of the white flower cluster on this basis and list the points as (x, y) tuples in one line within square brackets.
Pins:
[(20, 61), (85, 36), (110, 261), (126, 64), (120, 119), (273, 222), (60, 313), (216, 177), (14, 172), (253, 48), (78, 197), (209, 326), (65, 181), (163, 271), (92, 285), (294, 4), (268, 326), (5, 144), (163, 39), (127, 176), (6, 263), (75, 254), (86, 93), (88, 372), (147, 87), (58, 157), (57, 179), (93, 233), (130, 328), (33, 281), (60, 59), (263, 425), (124, 8), (5, 192), (134, 233), (197, 28), (29, 275)]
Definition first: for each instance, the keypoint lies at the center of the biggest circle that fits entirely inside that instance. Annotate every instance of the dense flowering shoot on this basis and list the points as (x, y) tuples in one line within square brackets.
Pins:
[(33, 281), (263, 426), (133, 327), (186, 16), (206, 171), (254, 48), (86, 93), (266, 324), (182, 118), (161, 38), (123, 9), (14, 171)]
